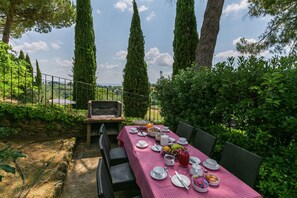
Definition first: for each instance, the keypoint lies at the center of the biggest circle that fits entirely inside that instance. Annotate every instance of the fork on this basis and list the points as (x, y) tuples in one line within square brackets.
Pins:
[(166, 169)]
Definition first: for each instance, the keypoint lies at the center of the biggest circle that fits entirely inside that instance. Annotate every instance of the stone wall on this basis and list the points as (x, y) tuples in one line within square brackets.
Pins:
[(31, 127)]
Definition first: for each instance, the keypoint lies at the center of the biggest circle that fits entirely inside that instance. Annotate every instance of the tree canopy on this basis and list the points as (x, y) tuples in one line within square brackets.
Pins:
[(280, 34), (185, 35), (84, 69), (135, 84), (20, 16)]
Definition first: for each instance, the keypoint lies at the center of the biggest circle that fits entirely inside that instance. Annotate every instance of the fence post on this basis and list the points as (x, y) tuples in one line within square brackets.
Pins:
[(52, 91)]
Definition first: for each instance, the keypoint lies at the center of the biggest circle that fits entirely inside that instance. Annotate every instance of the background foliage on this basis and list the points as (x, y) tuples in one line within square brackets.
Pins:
[(251, 102)]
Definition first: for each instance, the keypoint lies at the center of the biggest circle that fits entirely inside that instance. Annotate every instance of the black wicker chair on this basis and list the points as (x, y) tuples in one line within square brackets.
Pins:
[(204, 142), (104, 183), (121, 175), (240, 162), (117, 155), (184, 130)]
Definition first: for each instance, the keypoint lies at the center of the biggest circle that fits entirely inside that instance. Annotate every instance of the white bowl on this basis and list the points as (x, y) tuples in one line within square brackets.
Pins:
[(212, 183), (159, 171), (211, 162), (198, 188)]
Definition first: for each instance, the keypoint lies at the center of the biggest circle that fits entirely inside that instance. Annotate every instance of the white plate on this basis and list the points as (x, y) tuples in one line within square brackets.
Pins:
[(142, 134), (153, 175), (156, 148), (182, 143), (176, 181), (171, 140), (140, 146), (216, 167), (133, 131), (196, 159)]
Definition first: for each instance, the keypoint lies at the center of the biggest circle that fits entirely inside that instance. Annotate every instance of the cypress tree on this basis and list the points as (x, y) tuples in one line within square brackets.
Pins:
[(22, 56), (38, 77), (29, 65), (84, 69), (185, 35), (135, 84)]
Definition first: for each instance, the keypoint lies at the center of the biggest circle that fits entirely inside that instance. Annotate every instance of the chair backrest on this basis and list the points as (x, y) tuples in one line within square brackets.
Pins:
[(103, 131), (104, 183), (204, 142), (240, 162), (184, 130), (104, 151)]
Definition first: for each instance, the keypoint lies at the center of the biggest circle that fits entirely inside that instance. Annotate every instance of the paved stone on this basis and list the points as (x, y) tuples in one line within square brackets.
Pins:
[(80, 181)]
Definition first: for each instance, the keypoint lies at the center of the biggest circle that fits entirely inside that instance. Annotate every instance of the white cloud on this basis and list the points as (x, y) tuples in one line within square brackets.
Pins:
[(122, 5), (57, 61), (108, 66), (121, 54), (56, 45), (98, 11), (151, 16), (235, 7), (31, 47), (142, 8), (228, 53), (155, 57)]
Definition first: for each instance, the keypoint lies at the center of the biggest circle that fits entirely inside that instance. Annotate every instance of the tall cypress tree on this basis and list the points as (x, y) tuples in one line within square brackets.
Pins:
[(136, 84), (22, 56), (29, 65), (84, 69), (38, 77), (185, 35)]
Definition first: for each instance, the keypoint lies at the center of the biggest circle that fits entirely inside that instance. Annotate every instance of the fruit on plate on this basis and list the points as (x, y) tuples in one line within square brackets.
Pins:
[(212, 179), (173, 149)]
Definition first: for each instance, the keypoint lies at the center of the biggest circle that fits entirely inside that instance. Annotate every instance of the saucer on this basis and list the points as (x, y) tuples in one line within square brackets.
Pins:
[(182, 143), (156, 148), (194, 160), (140, 146), (154, 175), (171, 140), (176, 181), (142, 134), (133, 132), (216, 167)]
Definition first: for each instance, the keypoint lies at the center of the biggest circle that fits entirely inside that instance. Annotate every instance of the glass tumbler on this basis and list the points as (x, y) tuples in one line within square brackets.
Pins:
[(184, 158)]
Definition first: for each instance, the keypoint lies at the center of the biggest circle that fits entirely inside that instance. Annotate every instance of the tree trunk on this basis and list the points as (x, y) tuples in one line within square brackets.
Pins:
[(8, 24), (209, 32)]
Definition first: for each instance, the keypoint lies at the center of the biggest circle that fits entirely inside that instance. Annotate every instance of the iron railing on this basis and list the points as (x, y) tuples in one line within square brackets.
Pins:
[(22, 88)]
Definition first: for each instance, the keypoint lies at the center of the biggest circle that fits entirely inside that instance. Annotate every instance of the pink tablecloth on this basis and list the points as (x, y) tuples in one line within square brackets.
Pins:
[(143, 161)]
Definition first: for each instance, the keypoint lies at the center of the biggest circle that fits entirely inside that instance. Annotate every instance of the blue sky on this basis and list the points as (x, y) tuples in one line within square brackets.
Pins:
[(112, 18)]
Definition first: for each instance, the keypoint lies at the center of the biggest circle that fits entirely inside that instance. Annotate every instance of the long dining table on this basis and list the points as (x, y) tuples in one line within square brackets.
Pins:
[(143, 160)]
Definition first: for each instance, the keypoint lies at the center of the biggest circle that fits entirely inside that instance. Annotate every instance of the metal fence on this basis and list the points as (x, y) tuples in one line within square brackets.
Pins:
[(53, 90)]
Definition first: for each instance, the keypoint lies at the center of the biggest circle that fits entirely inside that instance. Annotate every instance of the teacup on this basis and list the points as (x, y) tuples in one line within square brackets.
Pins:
[(159, 171), (142, 142), (165, 128), (182, 140), (133, 129), (211, 162), (169, 160)]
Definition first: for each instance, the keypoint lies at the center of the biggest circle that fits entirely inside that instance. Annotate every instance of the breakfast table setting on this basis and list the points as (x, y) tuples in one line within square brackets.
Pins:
[(166, 165)]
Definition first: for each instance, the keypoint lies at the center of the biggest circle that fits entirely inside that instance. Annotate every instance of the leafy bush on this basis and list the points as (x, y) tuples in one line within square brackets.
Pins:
[(49, 114), (251, 103)]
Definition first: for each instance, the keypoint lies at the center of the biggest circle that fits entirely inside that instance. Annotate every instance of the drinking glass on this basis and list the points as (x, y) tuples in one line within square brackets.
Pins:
[(184, 158)]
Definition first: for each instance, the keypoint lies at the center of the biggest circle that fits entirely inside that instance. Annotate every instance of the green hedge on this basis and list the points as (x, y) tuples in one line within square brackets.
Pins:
[(250, 102), (48, 114)]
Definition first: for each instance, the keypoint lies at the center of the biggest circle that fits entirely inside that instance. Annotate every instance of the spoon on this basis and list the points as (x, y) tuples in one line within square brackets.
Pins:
[(166, 169)]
